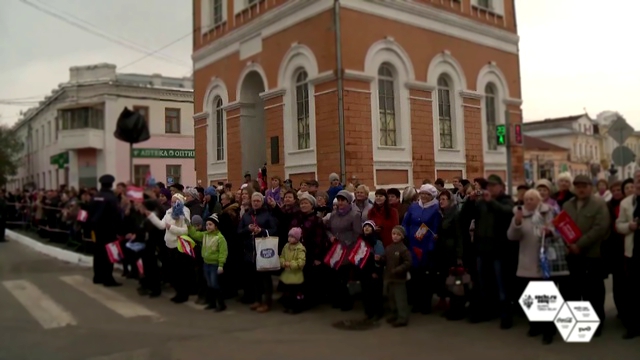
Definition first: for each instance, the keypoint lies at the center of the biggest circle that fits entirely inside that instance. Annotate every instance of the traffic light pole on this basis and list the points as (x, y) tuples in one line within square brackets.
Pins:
[(508, 148)]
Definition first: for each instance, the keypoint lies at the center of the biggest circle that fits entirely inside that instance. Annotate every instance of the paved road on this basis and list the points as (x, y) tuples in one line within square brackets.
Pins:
[(49, 310)]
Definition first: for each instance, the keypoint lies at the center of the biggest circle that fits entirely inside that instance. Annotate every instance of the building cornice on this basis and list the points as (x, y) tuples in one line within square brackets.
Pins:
[(273, 93), (201, 115), (419, 85), (358, 76), (469, 94)]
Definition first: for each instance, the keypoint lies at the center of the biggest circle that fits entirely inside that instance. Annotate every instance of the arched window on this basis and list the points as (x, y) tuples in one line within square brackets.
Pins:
[(387, 106), (302, 110), (444, 113), (491, 115), (219, 129)]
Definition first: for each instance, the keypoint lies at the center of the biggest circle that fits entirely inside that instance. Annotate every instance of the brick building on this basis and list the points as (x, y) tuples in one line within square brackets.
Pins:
[(423, 84)]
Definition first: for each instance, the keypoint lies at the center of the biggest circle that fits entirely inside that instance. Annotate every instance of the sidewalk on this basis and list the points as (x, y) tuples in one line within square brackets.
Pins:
[(50, 250)]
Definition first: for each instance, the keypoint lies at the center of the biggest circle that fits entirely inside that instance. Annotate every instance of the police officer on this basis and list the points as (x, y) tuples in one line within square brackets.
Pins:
[(104, 218)]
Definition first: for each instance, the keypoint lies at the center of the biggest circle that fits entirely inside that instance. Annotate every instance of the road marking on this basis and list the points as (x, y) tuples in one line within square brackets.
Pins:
[(109, 298), (46, 311), (142, 354)]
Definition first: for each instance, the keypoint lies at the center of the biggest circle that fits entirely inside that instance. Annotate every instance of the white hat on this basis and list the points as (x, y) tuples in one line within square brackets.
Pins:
[(428, 189)]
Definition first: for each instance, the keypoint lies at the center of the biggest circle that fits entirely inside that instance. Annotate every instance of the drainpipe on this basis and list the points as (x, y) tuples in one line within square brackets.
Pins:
[(340, 78)]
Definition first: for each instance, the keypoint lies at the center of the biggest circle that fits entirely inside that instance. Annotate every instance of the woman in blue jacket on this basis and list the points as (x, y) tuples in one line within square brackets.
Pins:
[(421, 222)]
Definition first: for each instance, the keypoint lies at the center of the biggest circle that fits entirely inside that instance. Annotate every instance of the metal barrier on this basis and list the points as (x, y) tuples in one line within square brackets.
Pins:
[(24, 217)]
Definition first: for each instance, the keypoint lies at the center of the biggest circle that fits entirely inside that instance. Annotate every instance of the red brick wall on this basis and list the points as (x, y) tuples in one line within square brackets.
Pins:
[(359, 144), (327, 136), (422, 135), (200, 144), (273, 113), (473, 137), (234, 151)]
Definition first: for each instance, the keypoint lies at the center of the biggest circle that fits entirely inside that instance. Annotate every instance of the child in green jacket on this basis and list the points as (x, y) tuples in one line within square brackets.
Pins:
[(214, 255), (292, 260)]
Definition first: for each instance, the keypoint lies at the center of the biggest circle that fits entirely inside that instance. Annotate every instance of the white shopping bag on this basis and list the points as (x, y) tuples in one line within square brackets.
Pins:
[(267, 258)]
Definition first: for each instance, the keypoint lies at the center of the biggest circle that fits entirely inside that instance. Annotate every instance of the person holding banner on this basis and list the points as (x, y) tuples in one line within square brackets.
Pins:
[(104, 220), (181, 265), (586, 267)]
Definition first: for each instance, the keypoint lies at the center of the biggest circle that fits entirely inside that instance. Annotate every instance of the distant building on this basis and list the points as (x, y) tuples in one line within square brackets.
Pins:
[(69, 137), (579, 134), (543, 160), (423, 85)]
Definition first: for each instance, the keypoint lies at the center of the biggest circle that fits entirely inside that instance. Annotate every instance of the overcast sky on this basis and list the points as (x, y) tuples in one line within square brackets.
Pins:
[(575, 54)]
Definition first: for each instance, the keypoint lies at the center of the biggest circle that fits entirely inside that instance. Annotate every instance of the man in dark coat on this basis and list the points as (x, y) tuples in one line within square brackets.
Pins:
[(104, 218)]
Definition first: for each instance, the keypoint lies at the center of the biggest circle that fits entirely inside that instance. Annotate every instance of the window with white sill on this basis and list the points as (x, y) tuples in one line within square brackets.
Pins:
[(445, 122), (302, 110), (387, 106), (212, 14)]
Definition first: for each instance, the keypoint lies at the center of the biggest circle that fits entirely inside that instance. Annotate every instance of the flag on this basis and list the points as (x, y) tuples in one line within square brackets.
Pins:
[(360, 254), (140, 267), (186, 245), (82, 216), (114, 252), (418, 252), (335, 256), (135, 193), (567, 227)]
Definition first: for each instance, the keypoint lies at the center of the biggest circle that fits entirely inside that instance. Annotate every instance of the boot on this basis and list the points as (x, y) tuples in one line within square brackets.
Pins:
[(221, 306), (211, 299)]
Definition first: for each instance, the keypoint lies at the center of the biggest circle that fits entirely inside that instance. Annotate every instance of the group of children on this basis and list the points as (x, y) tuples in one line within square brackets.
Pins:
[(390, 266)]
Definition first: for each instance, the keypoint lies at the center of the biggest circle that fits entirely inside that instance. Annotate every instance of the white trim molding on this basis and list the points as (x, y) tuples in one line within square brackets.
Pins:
[(216, 89), (298, 58), (491, 74), (271, 94), (387, 51), (447, 65), (455, 166), (516, 102), (251, 67), (421, 16), (201, 115), (403, 165), (300, 169)]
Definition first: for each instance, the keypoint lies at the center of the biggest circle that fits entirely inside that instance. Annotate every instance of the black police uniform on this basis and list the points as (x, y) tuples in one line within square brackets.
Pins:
[(104, 218)]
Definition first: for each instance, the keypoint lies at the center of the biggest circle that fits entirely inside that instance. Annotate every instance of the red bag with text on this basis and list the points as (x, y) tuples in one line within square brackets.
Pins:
[(567, 227)]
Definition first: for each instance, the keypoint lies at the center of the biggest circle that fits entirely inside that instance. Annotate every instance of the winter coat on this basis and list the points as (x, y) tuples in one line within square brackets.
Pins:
[(384, 222), (314, 235), (449, 246), (413, 221), (178, 227), (397, 260), (213, 245), (295, 255), (268, 227), (492, 220)]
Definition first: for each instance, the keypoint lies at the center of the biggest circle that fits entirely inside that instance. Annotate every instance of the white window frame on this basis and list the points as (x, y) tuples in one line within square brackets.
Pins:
[(220, 129), (301, 85), (207, 15), (393, 78), (216, 169)]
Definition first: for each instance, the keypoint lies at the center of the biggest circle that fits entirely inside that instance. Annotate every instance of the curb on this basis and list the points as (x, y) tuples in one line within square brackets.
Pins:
[(51, 251)]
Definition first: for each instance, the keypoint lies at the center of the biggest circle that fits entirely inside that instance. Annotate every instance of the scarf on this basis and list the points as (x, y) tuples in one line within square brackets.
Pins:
[(431, 203), (344, 211)]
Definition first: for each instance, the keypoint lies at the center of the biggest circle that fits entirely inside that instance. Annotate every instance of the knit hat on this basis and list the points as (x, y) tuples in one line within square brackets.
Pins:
[(191, 192), (545, 183), (308, 197), (334, 176), (346, 195), (296, 233), (370, 223), (428, 189), (400, 229), (211, 191), (214, 219), (196, 220)]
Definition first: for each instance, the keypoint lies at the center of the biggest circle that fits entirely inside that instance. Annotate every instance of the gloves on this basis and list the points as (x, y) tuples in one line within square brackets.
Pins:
[(220, 270)]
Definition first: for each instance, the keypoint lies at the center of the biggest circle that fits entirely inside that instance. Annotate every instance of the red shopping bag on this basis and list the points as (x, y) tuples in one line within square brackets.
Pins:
[(114, 251), (360, 254), (567, 227), (335, 256)]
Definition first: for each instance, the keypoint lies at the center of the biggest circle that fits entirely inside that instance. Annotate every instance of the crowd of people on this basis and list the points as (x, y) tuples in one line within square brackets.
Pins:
[(468, 251)]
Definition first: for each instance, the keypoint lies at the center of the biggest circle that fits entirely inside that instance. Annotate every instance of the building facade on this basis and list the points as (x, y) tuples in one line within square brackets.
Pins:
[(69, 137), (386, 93), (543, 160), (580, 135)]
